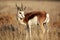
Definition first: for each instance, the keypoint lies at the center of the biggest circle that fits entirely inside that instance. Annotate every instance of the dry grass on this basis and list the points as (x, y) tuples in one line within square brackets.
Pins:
[(11, 30)]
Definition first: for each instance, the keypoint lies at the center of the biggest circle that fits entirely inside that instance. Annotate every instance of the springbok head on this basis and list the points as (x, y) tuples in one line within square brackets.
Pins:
[(20, 11)]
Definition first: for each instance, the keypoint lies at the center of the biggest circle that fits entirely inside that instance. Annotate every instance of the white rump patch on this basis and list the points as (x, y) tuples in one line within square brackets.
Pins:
[(47, 19)]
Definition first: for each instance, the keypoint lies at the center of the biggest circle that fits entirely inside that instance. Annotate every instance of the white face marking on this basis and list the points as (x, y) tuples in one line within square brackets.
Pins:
[(21, 14)]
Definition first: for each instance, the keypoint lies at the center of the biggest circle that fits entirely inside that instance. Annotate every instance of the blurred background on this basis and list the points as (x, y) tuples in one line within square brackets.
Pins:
[(11, 30)]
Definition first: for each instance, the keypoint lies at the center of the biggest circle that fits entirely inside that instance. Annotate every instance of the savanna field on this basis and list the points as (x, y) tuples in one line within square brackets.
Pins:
[(11, 30)]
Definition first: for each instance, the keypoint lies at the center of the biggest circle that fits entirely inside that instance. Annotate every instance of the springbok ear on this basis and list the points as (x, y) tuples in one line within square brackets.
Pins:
[(18, 8)]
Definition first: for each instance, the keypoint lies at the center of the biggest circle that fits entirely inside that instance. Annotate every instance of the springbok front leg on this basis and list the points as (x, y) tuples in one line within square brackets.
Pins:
[(43, 28), (29, 23), (27, 31)]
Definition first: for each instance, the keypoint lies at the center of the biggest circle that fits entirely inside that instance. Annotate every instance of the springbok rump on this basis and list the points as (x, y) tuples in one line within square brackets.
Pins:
[(30, 18)]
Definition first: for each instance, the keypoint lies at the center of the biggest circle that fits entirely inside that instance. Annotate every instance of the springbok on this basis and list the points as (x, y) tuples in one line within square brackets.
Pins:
[(30, 18)]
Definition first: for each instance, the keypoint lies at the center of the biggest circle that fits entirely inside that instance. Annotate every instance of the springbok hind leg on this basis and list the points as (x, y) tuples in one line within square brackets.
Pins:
[(42, 28), (42, 33), (44, 24)]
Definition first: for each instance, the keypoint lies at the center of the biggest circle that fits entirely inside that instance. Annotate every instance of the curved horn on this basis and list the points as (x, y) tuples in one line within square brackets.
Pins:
[(22, 7)]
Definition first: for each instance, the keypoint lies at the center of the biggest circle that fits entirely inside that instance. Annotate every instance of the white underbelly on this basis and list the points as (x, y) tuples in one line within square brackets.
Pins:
[(33, 21)]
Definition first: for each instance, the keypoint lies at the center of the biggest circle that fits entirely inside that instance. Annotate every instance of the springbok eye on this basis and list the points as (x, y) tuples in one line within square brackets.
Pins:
[(20, 13)]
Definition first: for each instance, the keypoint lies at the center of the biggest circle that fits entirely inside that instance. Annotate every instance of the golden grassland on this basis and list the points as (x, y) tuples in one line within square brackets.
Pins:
[(11, 30)]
